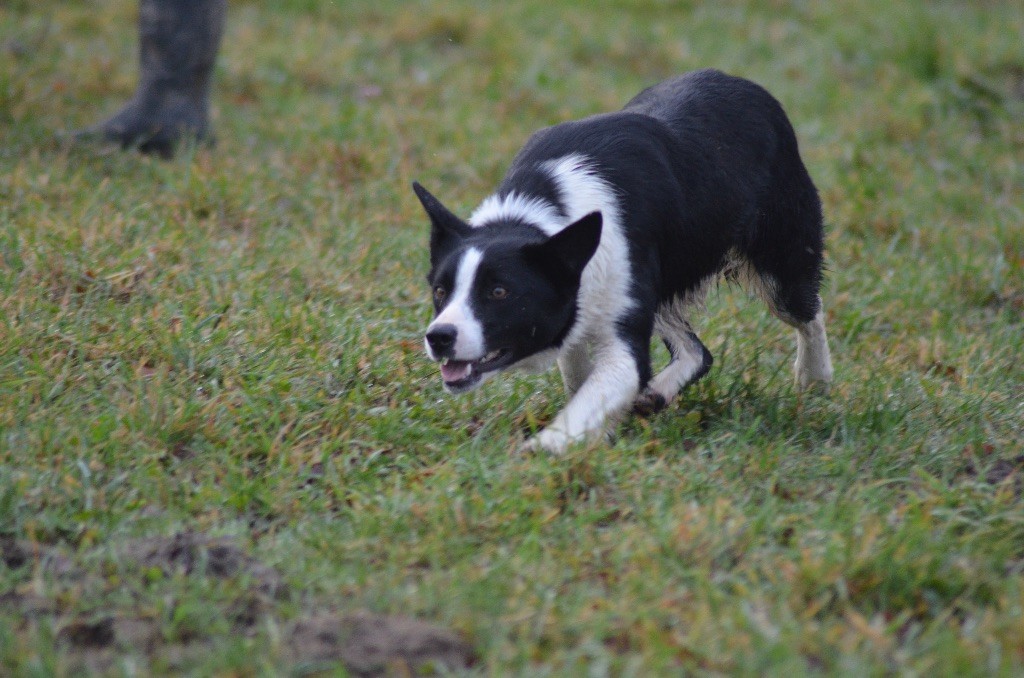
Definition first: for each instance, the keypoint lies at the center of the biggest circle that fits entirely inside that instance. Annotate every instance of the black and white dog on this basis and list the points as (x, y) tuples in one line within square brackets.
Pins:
[(607, 230)]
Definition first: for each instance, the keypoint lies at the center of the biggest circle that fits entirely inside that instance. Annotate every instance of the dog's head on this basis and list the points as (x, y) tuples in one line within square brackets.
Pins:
[(502, 292)]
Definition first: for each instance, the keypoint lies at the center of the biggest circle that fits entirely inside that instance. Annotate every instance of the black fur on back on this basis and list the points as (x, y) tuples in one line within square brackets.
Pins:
[(704, 166)]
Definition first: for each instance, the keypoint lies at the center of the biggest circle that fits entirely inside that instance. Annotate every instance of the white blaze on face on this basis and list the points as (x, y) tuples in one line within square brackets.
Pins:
[(469, 339)]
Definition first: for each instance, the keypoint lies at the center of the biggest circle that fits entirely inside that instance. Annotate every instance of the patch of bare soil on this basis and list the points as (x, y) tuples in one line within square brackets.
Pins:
[(376, 645), (194, 553), (29, 605), (15, 554), (365, 644), (1000, 471), (94, 644)]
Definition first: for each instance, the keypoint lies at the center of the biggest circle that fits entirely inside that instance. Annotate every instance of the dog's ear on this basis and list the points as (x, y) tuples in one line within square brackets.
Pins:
[(445, 228), (569, 250)]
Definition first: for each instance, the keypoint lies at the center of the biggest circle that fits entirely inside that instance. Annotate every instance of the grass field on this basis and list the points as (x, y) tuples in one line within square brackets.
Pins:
[(225, 350)]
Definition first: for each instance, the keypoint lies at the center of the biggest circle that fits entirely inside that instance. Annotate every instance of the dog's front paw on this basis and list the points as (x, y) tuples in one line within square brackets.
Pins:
[(528, 447), (548, 441)]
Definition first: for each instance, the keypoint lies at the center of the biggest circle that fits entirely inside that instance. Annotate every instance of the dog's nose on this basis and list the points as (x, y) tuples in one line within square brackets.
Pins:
[(442, 338)]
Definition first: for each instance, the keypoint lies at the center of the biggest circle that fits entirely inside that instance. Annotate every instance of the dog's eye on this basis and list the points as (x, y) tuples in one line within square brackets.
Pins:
[(499, 292), (440, 293)]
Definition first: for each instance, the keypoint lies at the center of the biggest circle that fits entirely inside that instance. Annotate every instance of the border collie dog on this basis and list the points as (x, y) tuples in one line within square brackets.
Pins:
[(606, 231)]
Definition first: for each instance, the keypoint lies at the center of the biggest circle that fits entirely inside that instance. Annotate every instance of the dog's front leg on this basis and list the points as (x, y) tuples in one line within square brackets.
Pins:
[(611, 387), (575, 366)]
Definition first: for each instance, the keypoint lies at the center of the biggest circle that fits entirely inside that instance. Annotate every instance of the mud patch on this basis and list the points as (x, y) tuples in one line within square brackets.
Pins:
[(1000, 471), (131, 633), (365, 644), (93, 645), (376, 645), (191, 553), (1003, 469), (15, 554), (90, 634), (29, 605)]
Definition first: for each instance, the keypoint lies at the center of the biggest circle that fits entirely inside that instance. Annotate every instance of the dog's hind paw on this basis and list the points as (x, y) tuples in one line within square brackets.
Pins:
[(649, 403), (814, 379), (814, 385)]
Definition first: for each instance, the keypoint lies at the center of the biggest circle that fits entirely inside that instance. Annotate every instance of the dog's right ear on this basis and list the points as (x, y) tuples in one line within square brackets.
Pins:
[(446, 229)]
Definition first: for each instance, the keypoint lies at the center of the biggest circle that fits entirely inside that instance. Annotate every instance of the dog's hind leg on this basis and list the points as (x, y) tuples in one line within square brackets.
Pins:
[(797, 303), (813, 361), (785, 253), (690, 360)]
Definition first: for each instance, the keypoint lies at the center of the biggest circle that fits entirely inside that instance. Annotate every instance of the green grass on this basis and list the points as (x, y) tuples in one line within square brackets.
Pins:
[(229, 343)]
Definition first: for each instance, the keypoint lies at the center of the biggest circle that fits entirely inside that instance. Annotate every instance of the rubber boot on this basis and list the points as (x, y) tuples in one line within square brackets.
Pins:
[(178, 43)]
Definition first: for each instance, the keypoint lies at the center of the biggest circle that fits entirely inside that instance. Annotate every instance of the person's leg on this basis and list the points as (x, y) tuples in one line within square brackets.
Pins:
[(178, 43)]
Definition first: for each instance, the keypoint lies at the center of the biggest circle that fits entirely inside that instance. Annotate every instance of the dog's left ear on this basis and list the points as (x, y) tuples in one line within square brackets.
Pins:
[(445, 228), (571, 248)]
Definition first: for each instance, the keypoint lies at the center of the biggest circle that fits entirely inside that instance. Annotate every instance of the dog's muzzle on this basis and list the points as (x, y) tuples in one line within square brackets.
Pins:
[(441, 340)]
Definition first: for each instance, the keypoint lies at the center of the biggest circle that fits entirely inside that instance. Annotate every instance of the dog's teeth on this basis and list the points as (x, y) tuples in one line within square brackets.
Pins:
[(444, 361)]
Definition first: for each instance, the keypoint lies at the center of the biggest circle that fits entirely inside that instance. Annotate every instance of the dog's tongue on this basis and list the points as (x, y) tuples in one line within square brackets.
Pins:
[(455, 370)]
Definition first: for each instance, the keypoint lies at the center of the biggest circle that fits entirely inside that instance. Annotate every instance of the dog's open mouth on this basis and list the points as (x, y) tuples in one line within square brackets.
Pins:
[(460, 375)]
